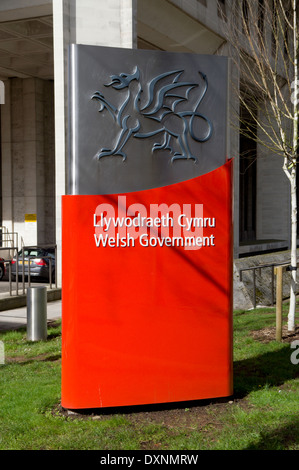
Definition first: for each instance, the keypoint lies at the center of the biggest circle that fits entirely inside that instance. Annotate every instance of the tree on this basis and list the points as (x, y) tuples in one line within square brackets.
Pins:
[(264, 34)]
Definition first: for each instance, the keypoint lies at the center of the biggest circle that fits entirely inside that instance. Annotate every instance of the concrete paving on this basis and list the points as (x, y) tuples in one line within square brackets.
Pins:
[(17, 318), (13, 306)]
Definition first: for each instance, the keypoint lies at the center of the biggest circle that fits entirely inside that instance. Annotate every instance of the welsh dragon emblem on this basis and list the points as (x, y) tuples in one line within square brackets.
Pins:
[(165, 100)]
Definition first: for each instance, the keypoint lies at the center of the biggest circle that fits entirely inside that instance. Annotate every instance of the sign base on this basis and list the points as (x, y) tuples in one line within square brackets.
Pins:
[(148, 321)]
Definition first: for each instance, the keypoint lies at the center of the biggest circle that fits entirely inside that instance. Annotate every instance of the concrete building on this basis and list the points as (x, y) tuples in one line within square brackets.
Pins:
[(34, 40)]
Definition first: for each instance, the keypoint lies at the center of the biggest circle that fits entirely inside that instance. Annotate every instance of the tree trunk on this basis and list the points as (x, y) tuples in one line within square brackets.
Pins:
[(292, 308), (293, 173)]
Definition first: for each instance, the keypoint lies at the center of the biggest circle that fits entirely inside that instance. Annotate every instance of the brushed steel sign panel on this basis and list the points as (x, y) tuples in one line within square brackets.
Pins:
[(144, 119)]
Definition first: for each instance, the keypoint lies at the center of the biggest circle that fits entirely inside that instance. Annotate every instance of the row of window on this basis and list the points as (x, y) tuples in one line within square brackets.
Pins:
[(265, 8), (245, 13)]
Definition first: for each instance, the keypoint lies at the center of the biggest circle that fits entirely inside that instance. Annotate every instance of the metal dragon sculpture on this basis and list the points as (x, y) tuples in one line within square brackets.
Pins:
[(160, 101)]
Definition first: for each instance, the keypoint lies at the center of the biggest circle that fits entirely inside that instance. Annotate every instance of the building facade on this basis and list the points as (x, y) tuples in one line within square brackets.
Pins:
[(34, 40)]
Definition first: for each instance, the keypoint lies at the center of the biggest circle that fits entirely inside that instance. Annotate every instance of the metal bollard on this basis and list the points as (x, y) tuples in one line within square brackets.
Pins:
[(37, 313)]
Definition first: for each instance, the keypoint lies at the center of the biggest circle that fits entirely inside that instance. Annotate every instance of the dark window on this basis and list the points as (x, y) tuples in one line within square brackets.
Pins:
[(261, 19), (247, 176), (286, 33), (245, 16), (274, 28), (221, 9)]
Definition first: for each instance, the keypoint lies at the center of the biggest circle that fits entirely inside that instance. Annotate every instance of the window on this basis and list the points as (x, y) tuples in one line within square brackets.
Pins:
[(248, 168), (274, 28), (286, 33), (245, 15), (261, 19), (221, 9)]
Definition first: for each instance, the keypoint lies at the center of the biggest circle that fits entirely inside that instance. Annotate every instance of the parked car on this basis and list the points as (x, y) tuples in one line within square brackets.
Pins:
[(39, 263), (2, 268)]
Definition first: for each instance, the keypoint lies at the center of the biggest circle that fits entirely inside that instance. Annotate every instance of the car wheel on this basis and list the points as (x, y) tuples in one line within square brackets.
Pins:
[(1, 271)]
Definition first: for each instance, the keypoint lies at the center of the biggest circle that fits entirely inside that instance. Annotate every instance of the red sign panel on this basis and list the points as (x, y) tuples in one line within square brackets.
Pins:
[(147, 294)]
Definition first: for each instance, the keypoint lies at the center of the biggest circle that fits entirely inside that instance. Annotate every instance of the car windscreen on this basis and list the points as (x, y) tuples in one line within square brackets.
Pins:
[(33, 252)]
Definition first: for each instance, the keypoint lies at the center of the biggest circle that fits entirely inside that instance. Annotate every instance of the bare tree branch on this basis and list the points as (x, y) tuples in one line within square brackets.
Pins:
[(264, 38)]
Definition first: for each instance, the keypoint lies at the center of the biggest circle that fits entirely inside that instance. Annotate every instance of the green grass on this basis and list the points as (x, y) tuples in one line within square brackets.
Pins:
[(262, 415)]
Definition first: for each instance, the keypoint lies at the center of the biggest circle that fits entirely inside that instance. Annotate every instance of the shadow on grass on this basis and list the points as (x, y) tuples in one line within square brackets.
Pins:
[(279, 438), (272, 369)]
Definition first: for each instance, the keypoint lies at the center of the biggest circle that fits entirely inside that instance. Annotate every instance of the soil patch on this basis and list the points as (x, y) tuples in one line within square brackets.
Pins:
[(203, 415), (40, 358), (266, 335)]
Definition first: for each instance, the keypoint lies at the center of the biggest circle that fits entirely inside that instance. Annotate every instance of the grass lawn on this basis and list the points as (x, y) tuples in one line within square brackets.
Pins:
[(262, 414)]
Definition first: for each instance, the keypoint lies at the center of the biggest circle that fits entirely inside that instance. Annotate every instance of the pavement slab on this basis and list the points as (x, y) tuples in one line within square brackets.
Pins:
[(17, 318)]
